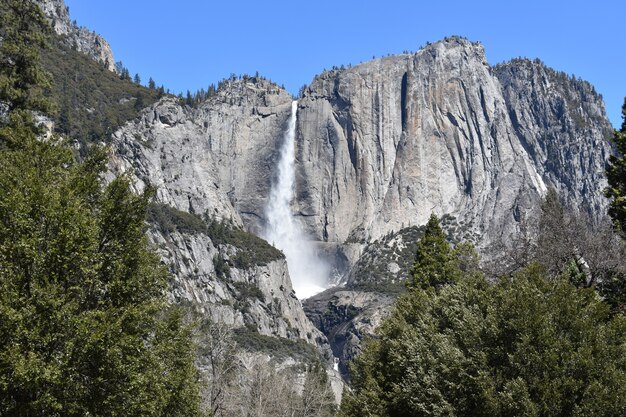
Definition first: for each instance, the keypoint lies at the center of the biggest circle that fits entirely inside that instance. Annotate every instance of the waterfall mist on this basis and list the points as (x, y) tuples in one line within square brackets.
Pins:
[(309, 273)]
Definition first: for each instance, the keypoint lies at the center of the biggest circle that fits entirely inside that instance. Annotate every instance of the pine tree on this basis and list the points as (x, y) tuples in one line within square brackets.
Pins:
[(22, 82), (616, 175), (84, 326), (435, 262), (525, 346)]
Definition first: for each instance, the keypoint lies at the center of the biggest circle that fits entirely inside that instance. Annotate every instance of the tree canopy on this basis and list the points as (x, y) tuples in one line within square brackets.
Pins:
[(435, 264), (528, 345), (84, 326), (524, 347), (616, 175)]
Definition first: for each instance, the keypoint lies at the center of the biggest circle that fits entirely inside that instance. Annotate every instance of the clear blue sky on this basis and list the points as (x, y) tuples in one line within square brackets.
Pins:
[(189, 44)]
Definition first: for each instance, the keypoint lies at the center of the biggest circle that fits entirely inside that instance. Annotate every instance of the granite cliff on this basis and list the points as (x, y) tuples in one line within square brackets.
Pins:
[(387, 142), (214, 162), (80, 38), (379, 146)]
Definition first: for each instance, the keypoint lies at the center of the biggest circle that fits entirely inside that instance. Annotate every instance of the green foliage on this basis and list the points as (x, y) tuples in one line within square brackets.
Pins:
[(435, 263), (252, 249), (278, 347), (222, 269), (385, 264), (93, 101), (82, 295), (84, 326), (248, 291), (22, 81), (371, 272), (527, 346), (612, 289), (169, 220), (616, 175)]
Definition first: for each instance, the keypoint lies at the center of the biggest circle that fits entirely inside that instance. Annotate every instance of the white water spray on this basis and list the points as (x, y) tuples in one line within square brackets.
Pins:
[(309, 274)]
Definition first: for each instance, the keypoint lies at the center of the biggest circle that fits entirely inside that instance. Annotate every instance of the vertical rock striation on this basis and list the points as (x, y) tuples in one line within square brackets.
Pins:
[(379, 146), (561, 122), (216, 162), (385, 143)]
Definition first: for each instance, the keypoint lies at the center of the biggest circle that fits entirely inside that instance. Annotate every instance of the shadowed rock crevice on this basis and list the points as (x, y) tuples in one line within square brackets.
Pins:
[(403, 103)]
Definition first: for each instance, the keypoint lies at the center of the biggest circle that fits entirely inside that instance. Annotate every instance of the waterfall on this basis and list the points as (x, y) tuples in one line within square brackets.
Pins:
[(309, 273)]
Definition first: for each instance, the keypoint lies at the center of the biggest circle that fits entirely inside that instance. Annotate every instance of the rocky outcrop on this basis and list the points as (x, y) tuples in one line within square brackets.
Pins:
[(379, 147), (561, 123), (216, 162), (347, 316), (80, 38), (217, 159), (390, 141), (259, 295), (385, 143)]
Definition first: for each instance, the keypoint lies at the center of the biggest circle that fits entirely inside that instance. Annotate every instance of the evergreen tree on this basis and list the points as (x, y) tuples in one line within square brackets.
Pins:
[(616, 175), (22, 82), (189, 100), (139, 101), (161, 92), (84, 326), (137, 78), (435, 262), (526, 346)]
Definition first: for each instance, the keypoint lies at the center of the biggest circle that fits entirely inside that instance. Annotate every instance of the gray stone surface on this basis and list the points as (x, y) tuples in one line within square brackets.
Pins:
[(277, 313), (380, 146), (82, 39), (389, 141), (217, 159), (346, 316)]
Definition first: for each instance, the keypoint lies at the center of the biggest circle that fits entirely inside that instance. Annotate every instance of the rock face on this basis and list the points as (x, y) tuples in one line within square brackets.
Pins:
[(216, 162), (392, 140), (379, 147), (217, 159), (385, 143), (562, 125), (80, 38), (259, 295), (346, 317)]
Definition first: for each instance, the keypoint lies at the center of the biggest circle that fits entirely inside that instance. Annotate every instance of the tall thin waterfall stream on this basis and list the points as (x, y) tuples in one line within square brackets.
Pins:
[(308, 272)]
